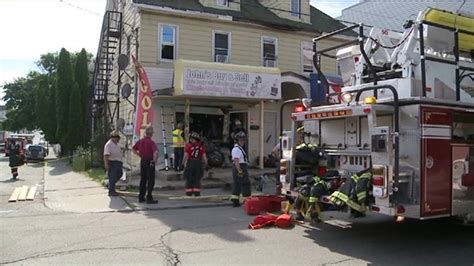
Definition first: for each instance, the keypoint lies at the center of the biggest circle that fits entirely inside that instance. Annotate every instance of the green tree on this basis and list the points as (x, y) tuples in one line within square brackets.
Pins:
[(20, 98), (64, 82), (75, 129), (42, 108), (81, 75), (52, 123)]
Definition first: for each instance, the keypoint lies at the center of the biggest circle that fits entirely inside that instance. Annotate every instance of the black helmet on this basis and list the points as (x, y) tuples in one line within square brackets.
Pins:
[(195, 135), (240, 135)]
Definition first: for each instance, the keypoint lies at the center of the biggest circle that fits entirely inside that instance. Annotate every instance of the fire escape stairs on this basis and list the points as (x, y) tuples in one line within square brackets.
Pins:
[(110, 40)]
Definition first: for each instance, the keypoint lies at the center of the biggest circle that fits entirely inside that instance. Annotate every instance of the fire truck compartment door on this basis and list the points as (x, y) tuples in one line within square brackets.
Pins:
[(352, 131), (436, 184)]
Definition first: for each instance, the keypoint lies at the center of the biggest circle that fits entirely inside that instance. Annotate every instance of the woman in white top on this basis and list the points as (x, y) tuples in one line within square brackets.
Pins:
[(113, 161), (239, 170)]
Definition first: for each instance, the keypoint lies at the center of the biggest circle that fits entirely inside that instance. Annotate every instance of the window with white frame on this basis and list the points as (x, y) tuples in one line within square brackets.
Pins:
[(168, 42), (222, 2), (269, 51), (221, 46), (307, 57), (296, 8)]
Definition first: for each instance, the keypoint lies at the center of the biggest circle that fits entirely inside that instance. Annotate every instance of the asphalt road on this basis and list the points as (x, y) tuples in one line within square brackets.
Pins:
[(30, 233)]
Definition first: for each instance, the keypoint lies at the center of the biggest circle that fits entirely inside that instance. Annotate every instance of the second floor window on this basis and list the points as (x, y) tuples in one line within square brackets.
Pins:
[(307, 57), (221, 47), (296, 8), (269, 51), (167, 42), (222, 2)]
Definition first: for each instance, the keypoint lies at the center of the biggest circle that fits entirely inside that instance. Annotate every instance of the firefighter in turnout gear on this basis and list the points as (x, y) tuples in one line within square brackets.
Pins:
[(194, 157), (178, 146), (309, 193), (241, 181), (16, 157), (353, 193)]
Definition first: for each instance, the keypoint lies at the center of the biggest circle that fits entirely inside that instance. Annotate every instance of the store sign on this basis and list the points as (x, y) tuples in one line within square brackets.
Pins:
[(223, 83)]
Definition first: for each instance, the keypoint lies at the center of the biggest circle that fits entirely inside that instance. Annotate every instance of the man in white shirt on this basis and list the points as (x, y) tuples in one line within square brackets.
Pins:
[(113, 161), (240, 170)]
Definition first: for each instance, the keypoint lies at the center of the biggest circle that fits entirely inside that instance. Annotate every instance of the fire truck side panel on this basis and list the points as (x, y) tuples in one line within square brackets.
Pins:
[(436, 157), (463, 163)]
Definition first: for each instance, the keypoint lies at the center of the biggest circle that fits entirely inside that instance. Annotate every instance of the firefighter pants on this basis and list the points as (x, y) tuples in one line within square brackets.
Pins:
[(303, 195), (241, 183), (147, 179), (14, 172), (178, 158), (193, 174)]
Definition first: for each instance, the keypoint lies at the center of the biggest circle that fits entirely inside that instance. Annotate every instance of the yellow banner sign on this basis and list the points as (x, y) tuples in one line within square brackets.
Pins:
[(328, 114)]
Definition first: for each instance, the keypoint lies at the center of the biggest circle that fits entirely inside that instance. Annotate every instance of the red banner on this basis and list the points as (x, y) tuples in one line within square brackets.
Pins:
[(144, 104)]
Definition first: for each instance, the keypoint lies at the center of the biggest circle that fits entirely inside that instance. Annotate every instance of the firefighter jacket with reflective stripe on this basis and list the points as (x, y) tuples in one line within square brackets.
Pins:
[(353, 192), (318, 190), (178, 140)]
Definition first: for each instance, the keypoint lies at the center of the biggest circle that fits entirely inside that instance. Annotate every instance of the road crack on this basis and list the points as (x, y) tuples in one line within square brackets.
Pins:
[(171, 256), (72, 251)]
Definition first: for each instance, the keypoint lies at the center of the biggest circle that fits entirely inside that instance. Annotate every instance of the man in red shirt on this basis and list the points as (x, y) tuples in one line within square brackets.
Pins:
[(194, 156), (148, 153)]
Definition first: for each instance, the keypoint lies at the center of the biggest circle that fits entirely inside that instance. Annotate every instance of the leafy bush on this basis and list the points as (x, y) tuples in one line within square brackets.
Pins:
[(81, 160)]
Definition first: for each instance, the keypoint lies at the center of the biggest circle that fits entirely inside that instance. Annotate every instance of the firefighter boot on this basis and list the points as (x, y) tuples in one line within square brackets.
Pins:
[(299, 216), (315, 214)]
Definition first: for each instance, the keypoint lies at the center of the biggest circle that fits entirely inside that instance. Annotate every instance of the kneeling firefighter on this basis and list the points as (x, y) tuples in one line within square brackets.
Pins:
[(309, 193), (194, 157), (353, 193)]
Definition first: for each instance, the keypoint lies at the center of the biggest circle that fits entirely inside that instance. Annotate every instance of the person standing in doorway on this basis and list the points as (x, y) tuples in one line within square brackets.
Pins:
[(194, 157), (178, 146), (241, 181), (113, 161), (148, 153)]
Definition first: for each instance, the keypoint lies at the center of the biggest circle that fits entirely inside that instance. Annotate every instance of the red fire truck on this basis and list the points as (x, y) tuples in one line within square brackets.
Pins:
[(407, 114)]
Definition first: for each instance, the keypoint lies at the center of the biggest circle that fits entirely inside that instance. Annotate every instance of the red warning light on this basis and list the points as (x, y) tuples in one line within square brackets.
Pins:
[(299, 109)]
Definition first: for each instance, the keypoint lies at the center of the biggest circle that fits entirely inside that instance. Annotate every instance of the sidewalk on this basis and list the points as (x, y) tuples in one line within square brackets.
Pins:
[(65, 190), (214, 178)]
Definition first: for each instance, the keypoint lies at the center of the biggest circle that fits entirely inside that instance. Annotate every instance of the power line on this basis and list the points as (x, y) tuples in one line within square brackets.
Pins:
[(80, 8)]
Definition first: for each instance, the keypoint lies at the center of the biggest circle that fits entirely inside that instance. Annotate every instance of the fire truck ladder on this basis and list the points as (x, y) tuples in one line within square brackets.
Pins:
[(110, 43)]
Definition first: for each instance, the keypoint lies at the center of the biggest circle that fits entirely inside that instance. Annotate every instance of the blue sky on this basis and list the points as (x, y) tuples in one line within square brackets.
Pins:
[(43, 26)]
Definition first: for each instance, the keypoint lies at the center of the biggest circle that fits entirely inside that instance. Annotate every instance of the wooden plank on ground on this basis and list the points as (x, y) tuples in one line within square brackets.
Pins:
[(15, 194), (23, 192), (31, 193)]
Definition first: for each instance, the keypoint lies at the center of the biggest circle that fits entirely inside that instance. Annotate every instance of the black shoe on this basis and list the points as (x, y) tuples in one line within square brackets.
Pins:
[(141, 200), (299, 217), (113, 194), (235, 203), (151, 201)]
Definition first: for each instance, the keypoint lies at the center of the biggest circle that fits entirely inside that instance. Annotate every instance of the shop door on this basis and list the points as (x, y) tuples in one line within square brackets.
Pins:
[(240, 116), (270, 132), (436, 185)]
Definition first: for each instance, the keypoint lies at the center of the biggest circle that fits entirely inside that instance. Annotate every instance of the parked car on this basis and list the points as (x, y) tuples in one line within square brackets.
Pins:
[(35, 153)]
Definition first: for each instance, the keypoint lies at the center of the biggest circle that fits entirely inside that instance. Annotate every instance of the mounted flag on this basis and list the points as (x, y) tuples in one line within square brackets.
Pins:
[(144, 104)]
